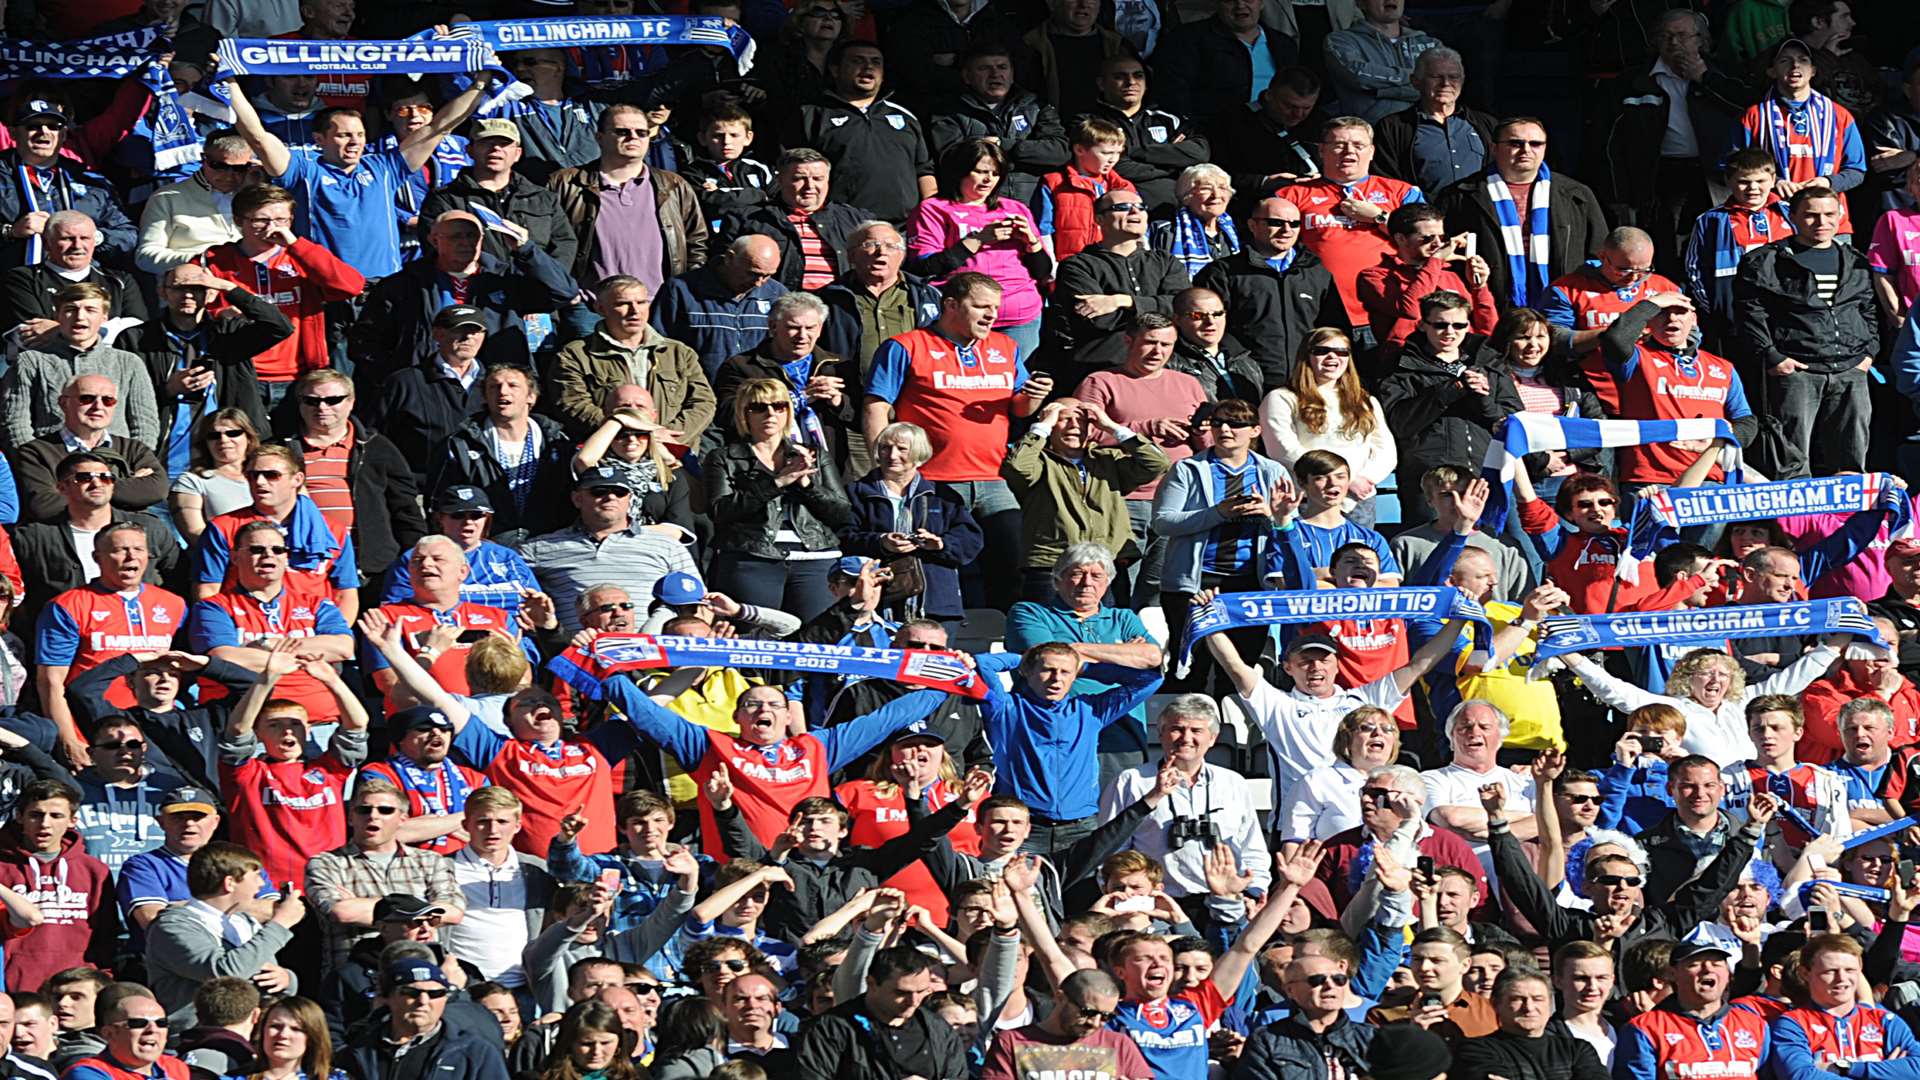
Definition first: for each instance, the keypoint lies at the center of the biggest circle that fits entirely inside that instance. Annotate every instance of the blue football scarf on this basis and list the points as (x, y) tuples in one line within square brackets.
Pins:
[(1872, 894), (508, 35), (1562, 634), (1190, 245), (299, 56), (1678, 508), (1529, 433), (1528, 246), (1233, 611), (1888, 831), (611, 654)]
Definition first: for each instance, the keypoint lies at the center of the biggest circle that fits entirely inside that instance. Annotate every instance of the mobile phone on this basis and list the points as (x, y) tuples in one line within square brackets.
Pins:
[(1905, 872), (472, 637), (1473, 245), (1819, 921), (1133, 903), (610, 880), (286, 889), (1425, 864), (1430, 1001)]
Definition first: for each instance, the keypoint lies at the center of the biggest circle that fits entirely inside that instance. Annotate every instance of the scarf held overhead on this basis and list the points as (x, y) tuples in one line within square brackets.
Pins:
[(612, 654), (1562, 634), (300, 56), (563, 32), (135, 54), (1232, 611), (1532, 433), (1717, 504)]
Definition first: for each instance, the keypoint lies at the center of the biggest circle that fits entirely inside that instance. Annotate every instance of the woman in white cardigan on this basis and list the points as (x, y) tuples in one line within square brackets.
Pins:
[(1326, 408)]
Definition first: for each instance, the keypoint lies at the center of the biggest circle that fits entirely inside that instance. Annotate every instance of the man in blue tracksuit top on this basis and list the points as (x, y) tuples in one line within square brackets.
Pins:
[(1045, 743)]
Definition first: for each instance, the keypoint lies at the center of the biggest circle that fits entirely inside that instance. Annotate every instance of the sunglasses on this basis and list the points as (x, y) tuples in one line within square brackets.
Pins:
[(128, 744), (1326, 978), (464, 515), (767, 406), (93, 478), (633, 133), (624, 605), (317, 400), (716, 966), (226, 433), (1332, 350), (266, 474), (1277, 222), (96, 399), (267, 549), (608, 492), (1440, 324), (227, 166), (431, 993), (1524, 144), (1206, 316), (646, 988), (1583, 800), (142, 1023), (369, 811), (1632, 881), (1376, 796), (1125, 207), (1234, 424), (1098, 1016), (1595, 504)]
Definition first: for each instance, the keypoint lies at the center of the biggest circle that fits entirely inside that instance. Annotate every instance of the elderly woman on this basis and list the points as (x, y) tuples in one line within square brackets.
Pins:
[(1201, 231), (776, 505), (897, 513), (1712, 694), (823, 389), (1102, 634), (1327, 802)]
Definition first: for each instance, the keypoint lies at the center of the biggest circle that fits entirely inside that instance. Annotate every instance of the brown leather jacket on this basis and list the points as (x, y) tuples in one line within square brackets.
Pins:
[(682, 225)]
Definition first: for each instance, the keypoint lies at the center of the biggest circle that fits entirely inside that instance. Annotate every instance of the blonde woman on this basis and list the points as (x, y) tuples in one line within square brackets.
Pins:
[(1324, 407), (1711, 693), (215, 482), (626, 441), (915, 765), (1326, 802)]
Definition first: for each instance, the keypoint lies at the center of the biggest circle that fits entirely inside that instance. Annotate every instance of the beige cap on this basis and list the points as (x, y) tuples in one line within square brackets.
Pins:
[(496, 129)]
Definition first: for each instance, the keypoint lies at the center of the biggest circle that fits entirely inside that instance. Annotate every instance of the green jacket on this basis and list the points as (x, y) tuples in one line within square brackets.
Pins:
[(1753, 27), (1060, 507), (586, 369)]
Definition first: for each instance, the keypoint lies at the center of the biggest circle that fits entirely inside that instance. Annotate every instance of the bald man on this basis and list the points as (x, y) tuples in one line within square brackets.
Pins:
[(439, 627), (720, 310)]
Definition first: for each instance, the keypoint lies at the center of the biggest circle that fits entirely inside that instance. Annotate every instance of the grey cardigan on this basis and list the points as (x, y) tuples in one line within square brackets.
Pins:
[(30, 393), (547, 957), (1183, 512), (183, 952)]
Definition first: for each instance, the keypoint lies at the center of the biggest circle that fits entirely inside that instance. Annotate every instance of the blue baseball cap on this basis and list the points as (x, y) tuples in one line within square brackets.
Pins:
[(408, 972), (851, 565), (679, 589)]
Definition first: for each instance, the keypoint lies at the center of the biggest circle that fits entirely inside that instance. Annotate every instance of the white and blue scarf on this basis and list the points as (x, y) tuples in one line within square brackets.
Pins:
[(510, 35), (299, 56), (1726, 504), (1190, 244), (1815, 119), (1232, 611), (611, 654), (1528, 246), (1532, 433), (1562, 634)]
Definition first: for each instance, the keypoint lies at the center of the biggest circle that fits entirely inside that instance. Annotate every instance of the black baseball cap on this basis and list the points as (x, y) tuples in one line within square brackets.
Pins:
[(454, 316), (1304, 642)]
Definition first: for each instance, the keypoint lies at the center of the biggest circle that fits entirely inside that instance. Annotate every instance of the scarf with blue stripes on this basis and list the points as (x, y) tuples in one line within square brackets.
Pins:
[(1528, 245)]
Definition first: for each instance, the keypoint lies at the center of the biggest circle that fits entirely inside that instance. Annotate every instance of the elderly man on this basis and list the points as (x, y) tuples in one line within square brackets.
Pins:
[(1317, 1027), (628, 350), (1206, 66), (356, 475), (415, 994), (1498, 209), (30, 393), (1370, 63), (1275, 290), (183, 220), (1074, 1029), (811, 232), (199, 363), (1211, 805), (493, 183), (72, 243), (1475, 730), (873, 301), (345, 884), (1106, 286), (497, 577), (437, 568), (603, 544), (720, 310), (425, 401), (1393, 806), (654, 229), (1438, 141), (825, 388), (87, 408), (55, 181)]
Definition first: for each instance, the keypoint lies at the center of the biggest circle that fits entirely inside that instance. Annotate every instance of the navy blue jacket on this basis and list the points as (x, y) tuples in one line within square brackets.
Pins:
[(396, 330), (940, 513), (92, 195)]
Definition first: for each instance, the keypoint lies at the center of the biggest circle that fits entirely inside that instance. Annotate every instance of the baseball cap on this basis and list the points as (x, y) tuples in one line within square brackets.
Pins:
[(461, 499), (405, 907), (419, 718), (851, 565), (41, 109), (1407, 1052), (190, 797), (454, 316), (408, 972), (496, 128), (679, 589), (915, 731), (602, 476), (1313, 641), (1793, 43), (1706, 939)]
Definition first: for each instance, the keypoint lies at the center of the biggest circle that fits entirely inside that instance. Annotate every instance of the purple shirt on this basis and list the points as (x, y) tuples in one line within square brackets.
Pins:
[(626, 233)]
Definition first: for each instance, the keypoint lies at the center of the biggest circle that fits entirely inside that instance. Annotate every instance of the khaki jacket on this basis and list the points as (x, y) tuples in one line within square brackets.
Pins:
[(588, 368)]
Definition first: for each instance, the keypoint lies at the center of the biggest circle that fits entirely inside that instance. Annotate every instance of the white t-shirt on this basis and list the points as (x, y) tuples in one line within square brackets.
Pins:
[(1299, 729), (83, 546), (1457, 786), (494, 930), (1325, 804)]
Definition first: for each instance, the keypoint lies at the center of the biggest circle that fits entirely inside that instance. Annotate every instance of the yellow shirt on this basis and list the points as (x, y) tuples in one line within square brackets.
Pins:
[(1533, 707)]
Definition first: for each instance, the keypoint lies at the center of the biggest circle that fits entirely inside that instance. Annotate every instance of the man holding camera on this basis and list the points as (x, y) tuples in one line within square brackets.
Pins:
[(1210, 806)]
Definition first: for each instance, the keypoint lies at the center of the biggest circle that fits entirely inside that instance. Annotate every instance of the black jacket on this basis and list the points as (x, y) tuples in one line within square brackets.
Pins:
[(1288, 1049), (879, 153), (923, 29), (1151, 277), (230, 344), (47, 560), (469, 461), (747, 507), (1670, 860), (522, 202), (1272, 311), (181, 739), (746, 185), (1242, 379), (27, 292), (1202, 67), (1715, 103), (1393, 136), (760, 364), (1160, 146), (91, 194), (1435, 419), (841, 336), (386, 502), (396, 329), (420, 407), (834, 222), (844, 1043), (1574, 217), (1777, 312), (1030, 133), (1251, 146), (35, 464), (1906, 619), (1514, 1057)]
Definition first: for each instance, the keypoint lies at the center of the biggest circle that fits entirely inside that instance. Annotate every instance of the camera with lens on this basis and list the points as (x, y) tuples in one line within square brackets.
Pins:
[(1184, 830)]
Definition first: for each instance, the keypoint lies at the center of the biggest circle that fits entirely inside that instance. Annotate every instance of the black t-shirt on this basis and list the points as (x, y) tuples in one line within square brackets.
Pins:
[(1823, 264)]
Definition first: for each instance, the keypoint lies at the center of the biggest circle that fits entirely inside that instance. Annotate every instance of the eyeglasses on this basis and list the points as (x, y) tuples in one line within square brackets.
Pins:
[(1332, 350), (1631, 881), (1328, 978), (96, 399), (317, 400), (365, 810), (92, 478), (1125, 207), (226, 433), (1376, 729), (767, 407), (714, 967), (1595, 504), (266, 549), (875, 247), (1098, 1016), (1277, 222), (1582, 800), (142, 1023), (1378, 796), (128, 744), (412, 110), (1447, 324), (266, 474), (1524, 144), (822, 13), (624, 605), (431, 993)]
